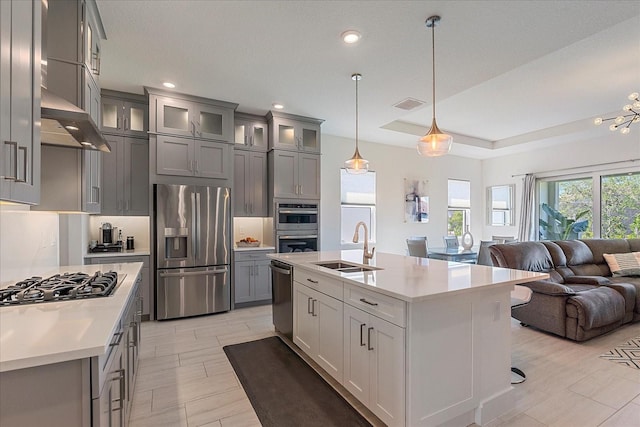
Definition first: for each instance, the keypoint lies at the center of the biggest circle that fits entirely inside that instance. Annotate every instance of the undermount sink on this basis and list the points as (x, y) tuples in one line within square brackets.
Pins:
[(345, 267)]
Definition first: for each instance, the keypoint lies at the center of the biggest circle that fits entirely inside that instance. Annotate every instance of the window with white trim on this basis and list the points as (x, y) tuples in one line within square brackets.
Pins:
[(459, 206)]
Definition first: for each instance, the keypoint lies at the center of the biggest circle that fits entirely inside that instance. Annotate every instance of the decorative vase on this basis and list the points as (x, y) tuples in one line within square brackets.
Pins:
[(467, 240)]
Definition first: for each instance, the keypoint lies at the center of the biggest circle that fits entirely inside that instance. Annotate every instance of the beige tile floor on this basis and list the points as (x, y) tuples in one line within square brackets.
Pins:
[(185, 379)]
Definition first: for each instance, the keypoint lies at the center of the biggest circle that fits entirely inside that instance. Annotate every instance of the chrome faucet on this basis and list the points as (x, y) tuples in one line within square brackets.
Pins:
[(366, 256)]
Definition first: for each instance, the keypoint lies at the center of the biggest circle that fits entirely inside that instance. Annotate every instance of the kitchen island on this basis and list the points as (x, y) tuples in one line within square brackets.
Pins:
[(72, 362), (418, 341)]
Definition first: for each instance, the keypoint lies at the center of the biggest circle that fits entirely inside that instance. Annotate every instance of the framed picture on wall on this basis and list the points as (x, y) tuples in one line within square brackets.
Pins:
[(416, 200)]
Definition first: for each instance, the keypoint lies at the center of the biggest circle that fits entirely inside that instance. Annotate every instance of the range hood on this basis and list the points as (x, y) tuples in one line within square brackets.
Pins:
[(67, 125)]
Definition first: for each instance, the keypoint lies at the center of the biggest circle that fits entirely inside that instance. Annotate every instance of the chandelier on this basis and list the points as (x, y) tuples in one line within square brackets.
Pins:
[(435, 142), (356, 165), (624, 121)]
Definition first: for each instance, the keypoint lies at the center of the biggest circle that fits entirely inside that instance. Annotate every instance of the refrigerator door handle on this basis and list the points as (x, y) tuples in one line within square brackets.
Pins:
[(193, 226), (198, 226), (196, 273)]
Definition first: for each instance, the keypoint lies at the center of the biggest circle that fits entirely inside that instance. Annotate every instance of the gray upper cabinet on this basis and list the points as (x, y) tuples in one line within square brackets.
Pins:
[(180, 117), (74, 32), (250, 183), (295, 175), (251, 132), (189, 157), (125, 177), (20, 32), (291, 132), (193, 136), (122, 114)]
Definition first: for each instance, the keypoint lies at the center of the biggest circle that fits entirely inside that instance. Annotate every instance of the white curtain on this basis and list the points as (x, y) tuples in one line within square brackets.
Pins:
[(527, 211)]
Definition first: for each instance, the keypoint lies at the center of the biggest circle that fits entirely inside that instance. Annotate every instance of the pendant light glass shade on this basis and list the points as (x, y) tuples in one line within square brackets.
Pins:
[(356, 164), (435, 143)]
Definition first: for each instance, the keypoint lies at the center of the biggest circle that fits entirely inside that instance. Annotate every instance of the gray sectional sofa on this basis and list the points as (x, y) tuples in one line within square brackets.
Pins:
[(581, 299)]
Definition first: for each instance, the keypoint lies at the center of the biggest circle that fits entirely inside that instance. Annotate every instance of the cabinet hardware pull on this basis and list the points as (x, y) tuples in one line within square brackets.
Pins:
[(362, 343), (309, 305), (312, 281), (24, 164), (369, 338), (251, 140), (120, 378), (246, 140), (126, 205), (368, 302), (126, 124), (97, 200), (313, 308), (117, 122), (117, 341), (14, 177), (195, 163)]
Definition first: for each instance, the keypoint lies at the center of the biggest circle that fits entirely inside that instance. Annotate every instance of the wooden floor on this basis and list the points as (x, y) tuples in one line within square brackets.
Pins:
[(185, 379)]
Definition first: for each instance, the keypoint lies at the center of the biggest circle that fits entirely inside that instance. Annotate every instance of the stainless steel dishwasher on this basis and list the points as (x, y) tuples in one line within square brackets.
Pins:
[(282, 281)]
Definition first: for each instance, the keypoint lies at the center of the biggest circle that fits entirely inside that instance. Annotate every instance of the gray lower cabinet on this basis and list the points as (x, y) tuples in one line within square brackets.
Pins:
[(145, 285), (192, 157), (294, 175), (250, 183), (20, 32), (252, 277), (125, 177)]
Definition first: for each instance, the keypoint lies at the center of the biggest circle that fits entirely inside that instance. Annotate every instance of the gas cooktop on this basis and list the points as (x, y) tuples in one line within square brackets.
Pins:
[(60, 287)]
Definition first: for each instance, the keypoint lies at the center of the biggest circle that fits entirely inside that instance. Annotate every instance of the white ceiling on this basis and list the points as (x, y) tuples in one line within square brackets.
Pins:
[(511, 75)]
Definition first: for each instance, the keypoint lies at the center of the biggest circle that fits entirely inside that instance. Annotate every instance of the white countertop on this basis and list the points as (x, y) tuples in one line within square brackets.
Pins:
[(52, 332), (135, 252), (409, 278), (254, 248)]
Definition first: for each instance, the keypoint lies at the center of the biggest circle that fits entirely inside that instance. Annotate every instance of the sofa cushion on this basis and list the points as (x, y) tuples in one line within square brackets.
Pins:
[(597, 307), (623, 264), (530, 256), (606, 246)]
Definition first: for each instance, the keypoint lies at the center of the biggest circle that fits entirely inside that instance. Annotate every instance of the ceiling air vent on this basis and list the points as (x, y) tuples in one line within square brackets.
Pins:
[(409, 104)]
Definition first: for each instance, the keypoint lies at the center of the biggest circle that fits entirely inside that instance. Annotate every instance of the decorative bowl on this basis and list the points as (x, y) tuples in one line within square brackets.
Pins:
[(248, 244)]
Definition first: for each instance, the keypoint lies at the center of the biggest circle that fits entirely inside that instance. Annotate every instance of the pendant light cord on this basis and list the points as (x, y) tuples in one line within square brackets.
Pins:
[(433, 65), (357, 78)]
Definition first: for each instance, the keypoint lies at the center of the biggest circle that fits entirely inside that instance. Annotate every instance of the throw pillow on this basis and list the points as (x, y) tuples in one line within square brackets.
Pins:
[(624, 264)]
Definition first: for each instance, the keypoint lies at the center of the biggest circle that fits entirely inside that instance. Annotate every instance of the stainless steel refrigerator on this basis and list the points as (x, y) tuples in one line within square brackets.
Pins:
[(193, 250)]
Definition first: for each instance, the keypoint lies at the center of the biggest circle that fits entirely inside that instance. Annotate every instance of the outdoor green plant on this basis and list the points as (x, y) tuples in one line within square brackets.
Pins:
[(559, 227)]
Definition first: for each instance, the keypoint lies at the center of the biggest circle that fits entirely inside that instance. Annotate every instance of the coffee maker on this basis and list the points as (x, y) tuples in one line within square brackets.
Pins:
[(108, 234)]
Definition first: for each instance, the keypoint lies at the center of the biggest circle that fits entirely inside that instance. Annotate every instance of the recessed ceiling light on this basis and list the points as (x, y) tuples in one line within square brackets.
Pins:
[(69, 127), (88, 144), (169, 85), (278, 106), (351, 36)]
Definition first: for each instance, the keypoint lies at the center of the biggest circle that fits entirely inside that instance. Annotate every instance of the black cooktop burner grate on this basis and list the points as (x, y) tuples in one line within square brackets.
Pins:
[(60, 287)]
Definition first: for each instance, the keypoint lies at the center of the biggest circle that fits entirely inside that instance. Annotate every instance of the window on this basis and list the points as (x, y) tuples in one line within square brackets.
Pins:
[(500, 204), (459, 212), (598, 205), (357, 203)]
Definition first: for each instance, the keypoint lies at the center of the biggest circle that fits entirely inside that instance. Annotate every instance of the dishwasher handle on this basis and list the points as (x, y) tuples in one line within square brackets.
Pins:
[(280, 270)]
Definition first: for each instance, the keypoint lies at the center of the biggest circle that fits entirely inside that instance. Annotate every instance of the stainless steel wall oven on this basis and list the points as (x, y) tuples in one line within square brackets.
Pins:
[(296, 216), (300, 241)]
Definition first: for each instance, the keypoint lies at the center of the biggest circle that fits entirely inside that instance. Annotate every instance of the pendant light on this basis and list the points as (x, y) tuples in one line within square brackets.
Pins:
[(356, 164), (435, 143)]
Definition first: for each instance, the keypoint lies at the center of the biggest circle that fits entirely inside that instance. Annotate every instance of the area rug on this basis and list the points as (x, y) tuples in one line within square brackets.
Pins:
[(627, 354), (284, 390)]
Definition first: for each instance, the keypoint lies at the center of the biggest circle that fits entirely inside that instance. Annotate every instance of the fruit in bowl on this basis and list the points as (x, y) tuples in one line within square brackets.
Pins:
[(248, 241)]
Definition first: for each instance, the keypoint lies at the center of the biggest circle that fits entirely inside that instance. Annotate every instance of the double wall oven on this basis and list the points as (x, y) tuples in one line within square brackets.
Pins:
[(296, 227)]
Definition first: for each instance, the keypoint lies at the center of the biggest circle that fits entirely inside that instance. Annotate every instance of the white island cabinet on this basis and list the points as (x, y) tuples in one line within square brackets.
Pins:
[(419, 342), (72, 363)]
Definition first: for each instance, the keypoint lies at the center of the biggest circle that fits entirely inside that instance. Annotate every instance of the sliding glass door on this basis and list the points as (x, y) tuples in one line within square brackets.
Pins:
[(594, 205)]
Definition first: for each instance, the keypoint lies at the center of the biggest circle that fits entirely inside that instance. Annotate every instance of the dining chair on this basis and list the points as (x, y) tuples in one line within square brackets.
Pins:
[(417, 246), (484, 255), (451, 242)]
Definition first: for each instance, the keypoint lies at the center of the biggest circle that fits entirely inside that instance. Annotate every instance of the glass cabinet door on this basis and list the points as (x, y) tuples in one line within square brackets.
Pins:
[(310, 138), (135, 119), (285, 134), (111, 115), (174, 117), (241, 136), (213, 123), (259, 135)]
